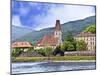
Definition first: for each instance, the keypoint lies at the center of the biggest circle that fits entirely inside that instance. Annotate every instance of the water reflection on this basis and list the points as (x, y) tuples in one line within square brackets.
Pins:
[(50, 66)]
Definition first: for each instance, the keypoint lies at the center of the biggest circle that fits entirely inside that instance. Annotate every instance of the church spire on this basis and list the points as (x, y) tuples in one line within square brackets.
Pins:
[(57, 27), (58, 32)]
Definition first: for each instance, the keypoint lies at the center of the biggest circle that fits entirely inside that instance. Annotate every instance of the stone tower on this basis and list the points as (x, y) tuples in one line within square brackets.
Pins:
[(58, 32)]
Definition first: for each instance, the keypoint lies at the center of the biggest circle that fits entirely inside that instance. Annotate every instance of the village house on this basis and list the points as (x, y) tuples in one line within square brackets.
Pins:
[(88, 38), (25, 46), (51, 40)]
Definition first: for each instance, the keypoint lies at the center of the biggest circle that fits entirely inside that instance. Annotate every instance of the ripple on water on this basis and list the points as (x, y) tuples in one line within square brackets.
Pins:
[(50, 66)]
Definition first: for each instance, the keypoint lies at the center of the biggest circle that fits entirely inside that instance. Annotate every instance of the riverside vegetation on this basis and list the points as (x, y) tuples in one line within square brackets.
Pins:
[(57, 54)]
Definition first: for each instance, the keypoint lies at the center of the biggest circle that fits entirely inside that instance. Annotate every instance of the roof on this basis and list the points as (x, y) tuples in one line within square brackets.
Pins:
[(86, 34), (21, 44), (48, 40), (58, 26)]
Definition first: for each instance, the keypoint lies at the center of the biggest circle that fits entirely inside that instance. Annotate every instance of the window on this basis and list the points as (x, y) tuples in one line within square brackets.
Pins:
[(91, 38), (91, 43)]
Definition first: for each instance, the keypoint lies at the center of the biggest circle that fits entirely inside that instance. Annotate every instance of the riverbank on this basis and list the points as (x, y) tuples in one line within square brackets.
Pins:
[(55, 59)]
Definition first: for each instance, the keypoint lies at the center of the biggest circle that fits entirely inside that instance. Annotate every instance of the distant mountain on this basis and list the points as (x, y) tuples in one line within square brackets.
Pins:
[(73, 26), (18, 32)]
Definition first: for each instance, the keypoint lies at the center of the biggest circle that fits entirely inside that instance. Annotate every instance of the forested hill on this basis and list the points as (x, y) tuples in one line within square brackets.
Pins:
[(73, 26)]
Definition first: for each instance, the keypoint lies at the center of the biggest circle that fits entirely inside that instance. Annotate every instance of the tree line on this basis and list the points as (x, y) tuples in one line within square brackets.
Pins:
[(70, 44)]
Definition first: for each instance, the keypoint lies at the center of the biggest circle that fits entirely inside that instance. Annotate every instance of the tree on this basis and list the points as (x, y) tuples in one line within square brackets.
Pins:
[(81, 45), (91, 28), (70, 46), (45, 51), (70, 43), (69, 37), (41, 51), (16, 52), (48, 51), (64, 46)]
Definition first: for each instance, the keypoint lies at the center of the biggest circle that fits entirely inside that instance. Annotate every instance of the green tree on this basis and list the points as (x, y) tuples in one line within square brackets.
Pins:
[(70, 43), (16, 52), (68, 46), (48, 51), (91, 28), (41, 51), (64, 46), (81, 45), (69, 37)]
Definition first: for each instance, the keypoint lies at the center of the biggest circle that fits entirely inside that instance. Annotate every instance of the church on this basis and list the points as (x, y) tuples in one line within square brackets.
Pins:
[(52, 40)]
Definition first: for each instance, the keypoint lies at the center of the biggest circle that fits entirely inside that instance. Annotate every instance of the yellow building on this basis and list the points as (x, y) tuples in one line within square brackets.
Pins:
[(88, 38)]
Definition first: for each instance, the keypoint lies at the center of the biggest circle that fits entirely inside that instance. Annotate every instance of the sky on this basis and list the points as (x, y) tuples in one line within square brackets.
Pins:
[(36, 15)]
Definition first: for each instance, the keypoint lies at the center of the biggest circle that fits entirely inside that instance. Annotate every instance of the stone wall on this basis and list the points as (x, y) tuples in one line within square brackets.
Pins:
[(80, 53)]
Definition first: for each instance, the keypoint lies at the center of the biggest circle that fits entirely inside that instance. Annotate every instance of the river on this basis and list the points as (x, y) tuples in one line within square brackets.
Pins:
[(35, 67)]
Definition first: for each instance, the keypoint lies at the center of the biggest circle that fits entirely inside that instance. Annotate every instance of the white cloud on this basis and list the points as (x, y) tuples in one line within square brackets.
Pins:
[(16, 20), (64, 14), (23, 10)]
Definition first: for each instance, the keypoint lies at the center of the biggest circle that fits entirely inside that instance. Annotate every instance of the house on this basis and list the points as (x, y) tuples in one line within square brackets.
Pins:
[(22, 45), (51, 40), (89, 38)]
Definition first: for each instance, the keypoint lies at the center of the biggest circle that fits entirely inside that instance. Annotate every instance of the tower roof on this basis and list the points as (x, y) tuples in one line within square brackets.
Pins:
[(58, 26)]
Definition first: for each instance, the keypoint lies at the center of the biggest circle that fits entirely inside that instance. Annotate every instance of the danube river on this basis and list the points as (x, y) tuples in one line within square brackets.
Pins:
[(35, 67)]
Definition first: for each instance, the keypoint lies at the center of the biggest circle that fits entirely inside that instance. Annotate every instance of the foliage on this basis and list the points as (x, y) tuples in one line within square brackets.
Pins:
[(31, 49), (16, 52), (91, 28), (45, 51), (69, 37), (74, 26), (69, 44), (48, 51), (41, 51), (81, 45)]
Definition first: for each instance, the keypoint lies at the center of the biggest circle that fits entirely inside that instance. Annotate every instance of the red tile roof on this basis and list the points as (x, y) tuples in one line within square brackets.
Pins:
[(47, 40), (21, 44)]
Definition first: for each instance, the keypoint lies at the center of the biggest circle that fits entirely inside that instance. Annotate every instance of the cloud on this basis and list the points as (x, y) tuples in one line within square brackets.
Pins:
[(16, 20), (24, 10), (64, 13), (43, 15)]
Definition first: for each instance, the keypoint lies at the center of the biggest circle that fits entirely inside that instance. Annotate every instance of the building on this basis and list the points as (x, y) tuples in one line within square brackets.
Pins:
[(22, 45), (89, 38), (51, 40)]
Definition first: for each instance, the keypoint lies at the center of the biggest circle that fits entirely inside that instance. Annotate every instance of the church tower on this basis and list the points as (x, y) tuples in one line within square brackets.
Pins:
[(58, 32)]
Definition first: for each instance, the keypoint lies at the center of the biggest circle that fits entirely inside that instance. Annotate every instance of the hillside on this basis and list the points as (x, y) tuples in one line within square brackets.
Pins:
[(74, 26), (18, 32)]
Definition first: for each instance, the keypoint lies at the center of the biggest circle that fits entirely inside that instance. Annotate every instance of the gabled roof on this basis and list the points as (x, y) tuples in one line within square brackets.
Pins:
[(86, 34), (21, 44), (47, 40)]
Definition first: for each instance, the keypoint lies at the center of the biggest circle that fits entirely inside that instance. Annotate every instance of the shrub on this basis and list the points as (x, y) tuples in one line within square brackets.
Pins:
[(81, 45)]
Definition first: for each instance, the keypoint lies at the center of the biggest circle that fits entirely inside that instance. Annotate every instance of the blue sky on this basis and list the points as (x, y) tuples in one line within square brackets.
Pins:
[(43, 15)]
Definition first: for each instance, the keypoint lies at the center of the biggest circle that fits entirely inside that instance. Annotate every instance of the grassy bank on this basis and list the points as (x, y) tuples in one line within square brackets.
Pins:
[(57, 58)]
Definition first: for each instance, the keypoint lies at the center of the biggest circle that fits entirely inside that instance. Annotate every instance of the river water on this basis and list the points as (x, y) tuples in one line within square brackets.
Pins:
[(35, 67)]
